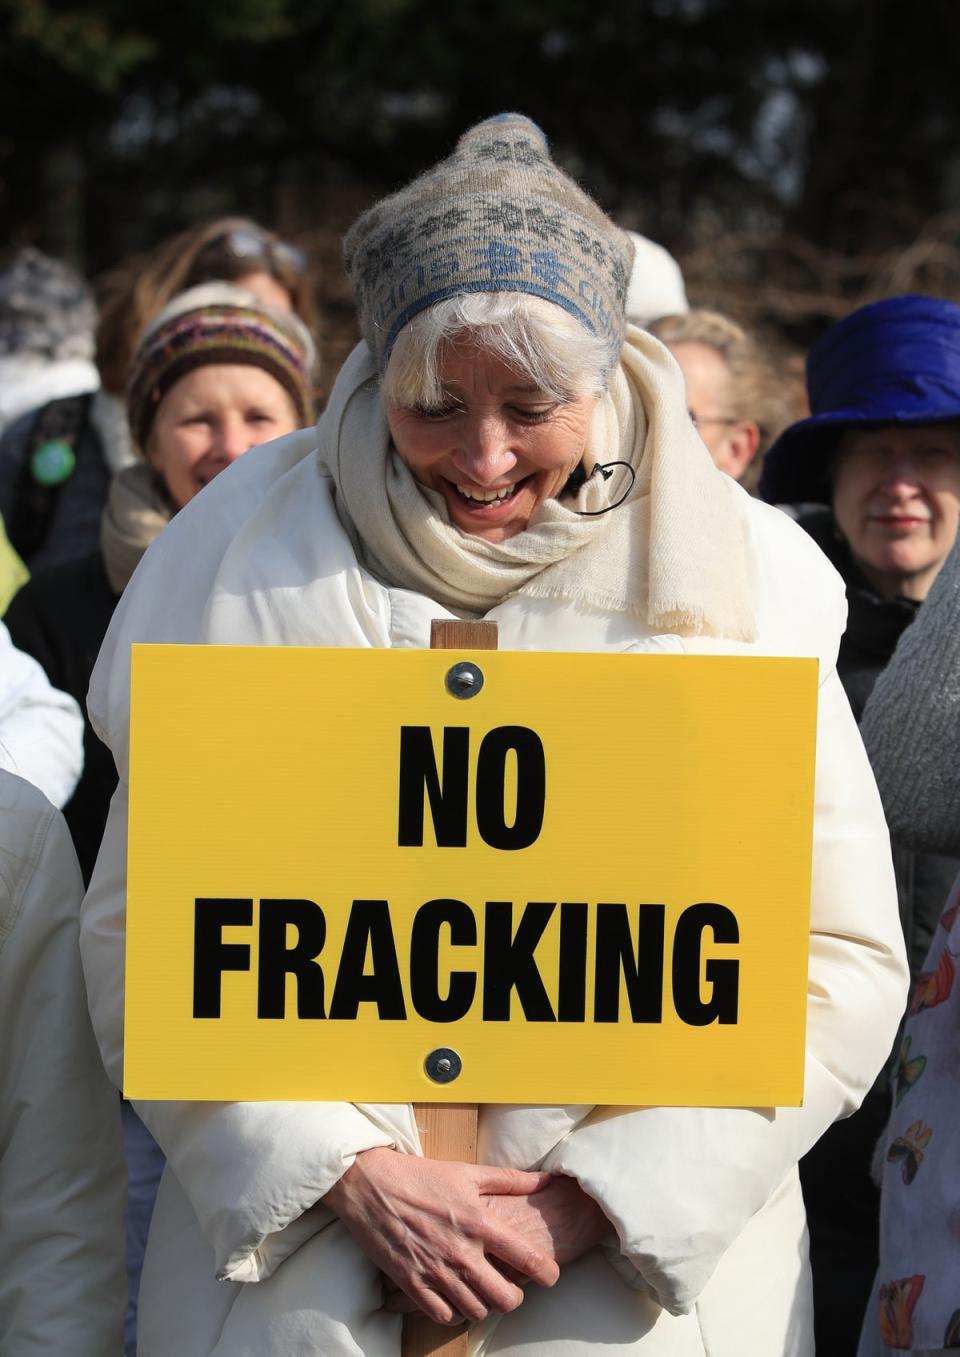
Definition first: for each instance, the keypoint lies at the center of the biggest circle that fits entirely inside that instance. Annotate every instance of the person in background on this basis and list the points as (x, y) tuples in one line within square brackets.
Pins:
[(62, 1281), (873, 475), (656, 284), (226, 249), (459, 471), (735, 395), (911, 727), (215, 374), (56, 461), (47, 317)]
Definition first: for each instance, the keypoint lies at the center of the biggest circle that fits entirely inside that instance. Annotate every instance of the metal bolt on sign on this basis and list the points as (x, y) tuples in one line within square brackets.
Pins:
[(464, 679), (443, 1065)]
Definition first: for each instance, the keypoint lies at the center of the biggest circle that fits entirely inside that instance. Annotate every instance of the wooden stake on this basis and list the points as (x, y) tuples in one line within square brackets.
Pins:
[(448, 1131), (453, 634)]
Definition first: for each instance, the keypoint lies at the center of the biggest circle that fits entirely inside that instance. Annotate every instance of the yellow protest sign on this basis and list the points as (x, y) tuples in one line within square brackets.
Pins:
[(563, 878)]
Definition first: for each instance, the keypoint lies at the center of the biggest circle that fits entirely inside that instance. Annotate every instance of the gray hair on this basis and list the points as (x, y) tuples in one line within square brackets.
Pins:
[(534, 337)]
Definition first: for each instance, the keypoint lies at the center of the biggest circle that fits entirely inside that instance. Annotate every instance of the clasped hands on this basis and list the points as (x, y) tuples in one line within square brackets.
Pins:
[(457, 1240)]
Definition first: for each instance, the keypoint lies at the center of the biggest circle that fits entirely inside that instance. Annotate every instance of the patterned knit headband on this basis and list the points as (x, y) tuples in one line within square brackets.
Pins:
[(217, 324)]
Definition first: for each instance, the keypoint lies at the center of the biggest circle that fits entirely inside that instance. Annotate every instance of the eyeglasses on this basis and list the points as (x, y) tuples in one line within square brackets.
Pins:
[(250, 247), (700, 420)]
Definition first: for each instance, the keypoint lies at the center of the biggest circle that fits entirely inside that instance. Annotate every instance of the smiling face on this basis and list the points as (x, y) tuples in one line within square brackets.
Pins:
[(896, 500), (496, 446), (209, 418)]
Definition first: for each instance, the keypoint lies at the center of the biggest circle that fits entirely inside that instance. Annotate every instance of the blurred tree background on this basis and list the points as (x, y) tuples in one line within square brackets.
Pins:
[(798, 156)]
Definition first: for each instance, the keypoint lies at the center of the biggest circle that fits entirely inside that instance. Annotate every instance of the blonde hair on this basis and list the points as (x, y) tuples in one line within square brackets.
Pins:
[(134, 292), (755, 390), (533, 337)]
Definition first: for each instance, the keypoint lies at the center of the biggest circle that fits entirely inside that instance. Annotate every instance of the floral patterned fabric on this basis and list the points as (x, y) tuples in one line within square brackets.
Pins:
[(915, 1305)]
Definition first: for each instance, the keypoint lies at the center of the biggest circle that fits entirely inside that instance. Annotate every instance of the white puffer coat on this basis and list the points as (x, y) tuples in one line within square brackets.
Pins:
[(706, 1202), (63, 1281)]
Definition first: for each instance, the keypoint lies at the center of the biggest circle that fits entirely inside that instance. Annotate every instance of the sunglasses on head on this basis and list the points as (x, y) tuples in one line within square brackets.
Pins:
[(249, 246)]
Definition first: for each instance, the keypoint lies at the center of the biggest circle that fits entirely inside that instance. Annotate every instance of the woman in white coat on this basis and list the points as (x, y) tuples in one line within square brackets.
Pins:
[(63, 1286), (501, 446)]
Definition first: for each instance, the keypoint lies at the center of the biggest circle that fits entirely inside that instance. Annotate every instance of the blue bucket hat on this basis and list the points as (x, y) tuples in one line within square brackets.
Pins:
[(893, 362)]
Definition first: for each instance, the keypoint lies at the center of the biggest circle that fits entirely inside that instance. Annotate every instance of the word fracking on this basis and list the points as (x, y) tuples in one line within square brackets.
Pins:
[(628, 956)]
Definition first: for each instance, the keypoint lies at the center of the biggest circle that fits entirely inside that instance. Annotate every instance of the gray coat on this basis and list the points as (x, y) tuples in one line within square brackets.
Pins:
[(911, 724)]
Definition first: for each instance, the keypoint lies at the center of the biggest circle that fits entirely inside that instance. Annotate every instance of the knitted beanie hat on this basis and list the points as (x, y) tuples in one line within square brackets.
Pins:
[(496, 216), (218, 323), (46, 309)]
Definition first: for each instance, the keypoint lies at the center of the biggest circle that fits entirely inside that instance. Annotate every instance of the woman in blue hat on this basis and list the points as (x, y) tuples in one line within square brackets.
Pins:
[(874, 476)]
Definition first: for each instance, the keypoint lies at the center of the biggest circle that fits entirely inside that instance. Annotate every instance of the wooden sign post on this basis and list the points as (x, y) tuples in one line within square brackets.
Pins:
[(448, 1131)]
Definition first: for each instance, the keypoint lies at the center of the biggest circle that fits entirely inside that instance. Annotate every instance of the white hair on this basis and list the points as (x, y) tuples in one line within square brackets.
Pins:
[(532, 336)]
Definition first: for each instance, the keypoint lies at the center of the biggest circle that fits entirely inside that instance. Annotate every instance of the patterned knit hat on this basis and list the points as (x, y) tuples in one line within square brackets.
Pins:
[(218, 323), (496, 216)]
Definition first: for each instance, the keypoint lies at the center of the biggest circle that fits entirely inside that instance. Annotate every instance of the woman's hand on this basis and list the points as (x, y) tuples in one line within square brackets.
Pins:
[(427, 1225), (562, 1220)]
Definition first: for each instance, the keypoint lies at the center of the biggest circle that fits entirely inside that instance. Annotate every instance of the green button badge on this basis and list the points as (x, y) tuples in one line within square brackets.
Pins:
[(53, 462)]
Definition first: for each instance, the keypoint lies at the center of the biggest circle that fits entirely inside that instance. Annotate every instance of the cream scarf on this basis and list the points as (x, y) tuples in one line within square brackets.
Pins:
[(674, 554), (137, 510)]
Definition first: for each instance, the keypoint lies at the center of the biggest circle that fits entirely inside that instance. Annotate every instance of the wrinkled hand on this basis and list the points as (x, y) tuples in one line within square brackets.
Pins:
[(427, 1225), (561, 1221)]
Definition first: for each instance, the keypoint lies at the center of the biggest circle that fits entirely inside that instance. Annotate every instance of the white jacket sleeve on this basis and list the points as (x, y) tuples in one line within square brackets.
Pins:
[(253, 1172), (680, 1183), (63, 1281), (41, 729)]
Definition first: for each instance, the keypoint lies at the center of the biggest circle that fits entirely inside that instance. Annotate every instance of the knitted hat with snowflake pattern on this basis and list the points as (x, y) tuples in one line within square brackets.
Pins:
[(496, 216)]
